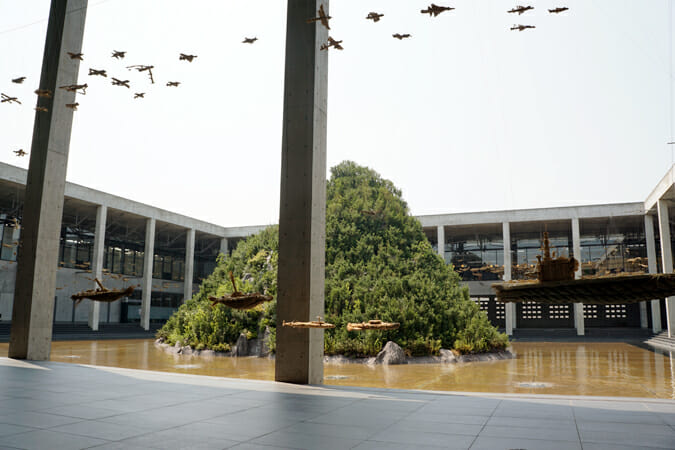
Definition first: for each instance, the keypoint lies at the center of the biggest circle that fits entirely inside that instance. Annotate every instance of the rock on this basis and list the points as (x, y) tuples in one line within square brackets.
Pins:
[(265, 343), (187, 350), (247, 277), (391, 354), (241, 347), (447, 356)]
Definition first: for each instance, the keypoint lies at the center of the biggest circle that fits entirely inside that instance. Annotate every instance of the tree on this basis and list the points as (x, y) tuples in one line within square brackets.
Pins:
[(379, 265)]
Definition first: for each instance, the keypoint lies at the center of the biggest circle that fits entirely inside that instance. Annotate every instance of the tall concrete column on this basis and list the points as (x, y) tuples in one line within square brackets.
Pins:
[(97, 261), (224, 247), (33, 311), (666, 260), (148, 260), (189, 264), (578, 307), (651, 266), (440, 232), (509, 308), (302, 215)]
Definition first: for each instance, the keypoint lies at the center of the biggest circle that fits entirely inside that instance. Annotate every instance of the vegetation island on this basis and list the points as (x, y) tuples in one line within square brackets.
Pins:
[(379, 265)]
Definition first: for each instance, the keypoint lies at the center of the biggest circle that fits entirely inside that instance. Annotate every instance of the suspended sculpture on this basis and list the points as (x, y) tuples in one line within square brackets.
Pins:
[(102, 294), (238, 300), (373, 325), (318, 323)]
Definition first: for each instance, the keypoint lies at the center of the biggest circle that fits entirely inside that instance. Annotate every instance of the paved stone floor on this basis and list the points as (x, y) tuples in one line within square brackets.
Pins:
[(50, 405)]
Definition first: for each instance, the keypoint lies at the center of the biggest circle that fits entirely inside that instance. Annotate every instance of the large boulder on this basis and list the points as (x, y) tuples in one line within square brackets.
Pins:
[(265, 343), (241, 347), (391, 354), (447, 356)]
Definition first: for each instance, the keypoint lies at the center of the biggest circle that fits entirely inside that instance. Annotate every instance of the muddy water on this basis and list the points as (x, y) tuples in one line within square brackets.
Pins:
[(607, 369)]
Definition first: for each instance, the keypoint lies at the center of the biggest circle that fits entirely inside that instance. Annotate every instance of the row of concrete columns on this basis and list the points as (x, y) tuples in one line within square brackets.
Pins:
[(146, 283), (666, 256)]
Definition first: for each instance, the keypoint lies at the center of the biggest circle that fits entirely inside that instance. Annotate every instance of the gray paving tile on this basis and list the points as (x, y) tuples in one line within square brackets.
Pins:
[(641, 428), (499, 443), (559, 423), (36, 419), (628, 438), (417, 426), (377, 422), (450, 441), (305, 441), (152, 420), (49, 440), (378, 445), (331, 430), (596, 446), (249, 446), (102, 430), (554, 434), (448, 418), (7, 429), (600, 415), (81, 411)]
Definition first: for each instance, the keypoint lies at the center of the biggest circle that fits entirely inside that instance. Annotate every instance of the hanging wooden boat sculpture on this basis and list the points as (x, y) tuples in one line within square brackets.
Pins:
[(238, 300), (318, 323), (373, 325), (102, 294), (556, 284)]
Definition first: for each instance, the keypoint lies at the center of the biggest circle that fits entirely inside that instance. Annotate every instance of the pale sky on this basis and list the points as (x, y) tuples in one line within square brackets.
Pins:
[(464, 116)]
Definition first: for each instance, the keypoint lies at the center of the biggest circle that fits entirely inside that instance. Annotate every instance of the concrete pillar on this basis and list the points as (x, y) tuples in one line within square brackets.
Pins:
[(666, 260), (440, 232), (651, 266), (33, 311), (224, 248), (578, 307), (189, 264), (509, 308), (302, 215), (148, 260), (97, 261)]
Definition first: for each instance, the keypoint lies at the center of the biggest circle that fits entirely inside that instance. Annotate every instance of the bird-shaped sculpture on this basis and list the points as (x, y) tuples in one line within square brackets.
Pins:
[(7, 99), (79, 56), (116, 82), (520, 9), (375, 17), (46, 93), (522, 27), (20, 152), (434, 10), (322, 17), (173, 83), (332, 43), (72, 106), (188, 58), (139, 95), (41, 109), (118, 55), (142, 68), (558, 10), (80, 88), (100, 73), (19, 80), (249, 40), (400, 37)]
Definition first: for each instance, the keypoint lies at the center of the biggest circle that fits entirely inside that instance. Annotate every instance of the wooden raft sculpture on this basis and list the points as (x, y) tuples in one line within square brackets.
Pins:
[(556, 285), (102, 294), (238, 300), (373, 325), (314, 324)]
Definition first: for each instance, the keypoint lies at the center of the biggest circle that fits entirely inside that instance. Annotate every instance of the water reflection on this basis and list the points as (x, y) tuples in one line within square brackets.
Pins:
[(606, 369)]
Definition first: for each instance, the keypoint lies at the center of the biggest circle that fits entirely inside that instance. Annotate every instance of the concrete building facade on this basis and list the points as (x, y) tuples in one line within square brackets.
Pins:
[(108, 237)]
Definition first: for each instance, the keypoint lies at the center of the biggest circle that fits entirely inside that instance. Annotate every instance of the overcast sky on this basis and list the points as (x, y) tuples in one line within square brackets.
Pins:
[(464, 116)]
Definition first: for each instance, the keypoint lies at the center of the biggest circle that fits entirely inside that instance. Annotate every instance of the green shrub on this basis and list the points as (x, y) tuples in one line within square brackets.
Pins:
[(379, 265)]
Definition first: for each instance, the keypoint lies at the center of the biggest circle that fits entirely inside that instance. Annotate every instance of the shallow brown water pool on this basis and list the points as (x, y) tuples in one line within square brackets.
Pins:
[(606, 369)]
